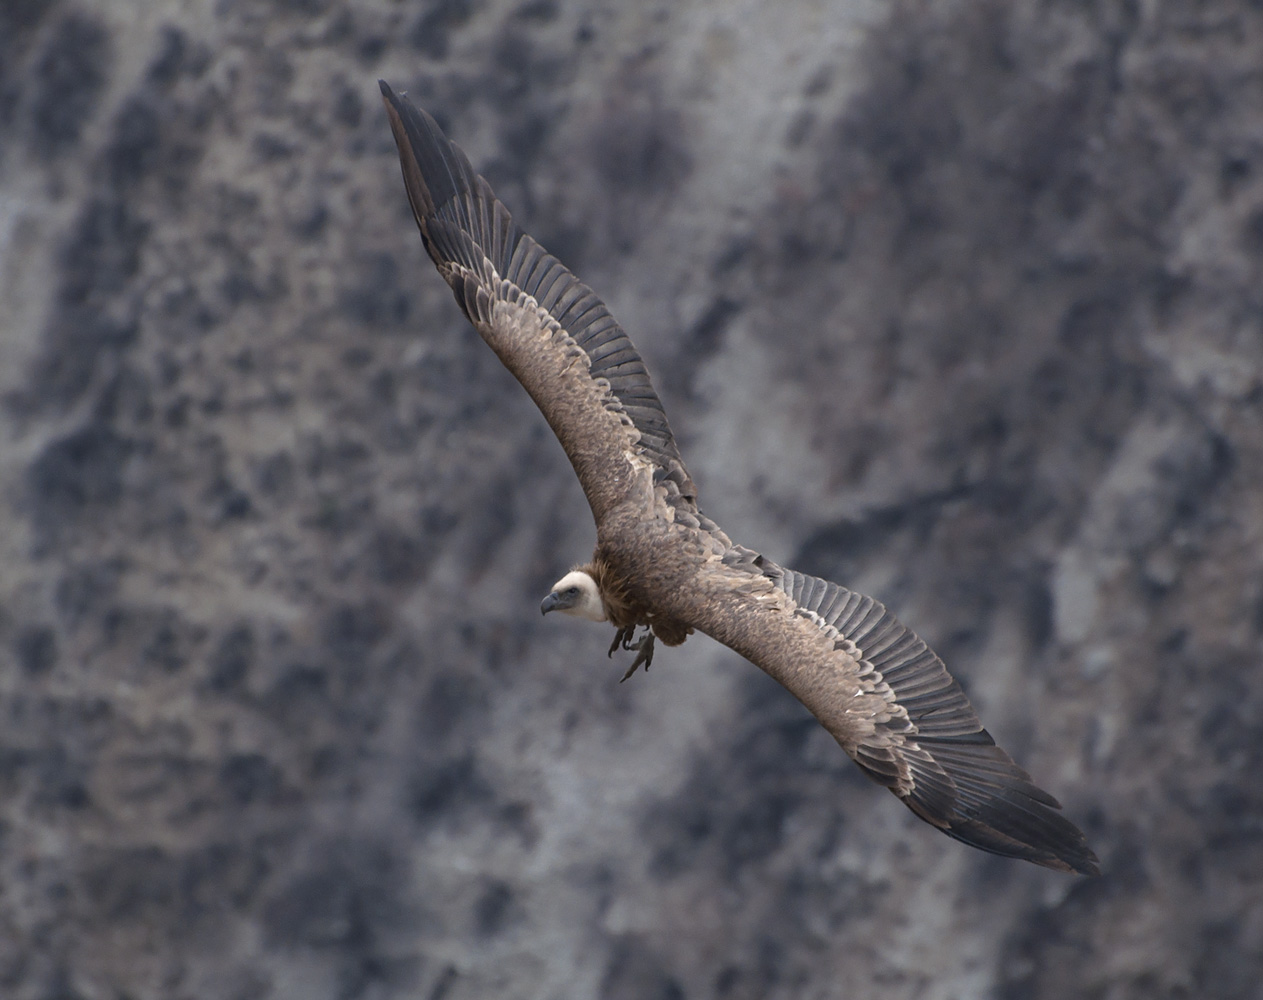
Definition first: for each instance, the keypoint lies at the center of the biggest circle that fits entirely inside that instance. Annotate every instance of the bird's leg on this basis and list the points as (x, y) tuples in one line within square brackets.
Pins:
[(644, 653)]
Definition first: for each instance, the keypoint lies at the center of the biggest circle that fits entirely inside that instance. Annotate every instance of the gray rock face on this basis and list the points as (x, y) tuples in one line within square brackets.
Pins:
[(960, 305)]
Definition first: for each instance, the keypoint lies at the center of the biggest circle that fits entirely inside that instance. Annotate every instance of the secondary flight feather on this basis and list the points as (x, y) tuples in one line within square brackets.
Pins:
[(663, 566)]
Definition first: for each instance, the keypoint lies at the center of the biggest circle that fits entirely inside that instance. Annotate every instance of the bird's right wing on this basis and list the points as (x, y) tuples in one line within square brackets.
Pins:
[(549, 329), (887, 698)]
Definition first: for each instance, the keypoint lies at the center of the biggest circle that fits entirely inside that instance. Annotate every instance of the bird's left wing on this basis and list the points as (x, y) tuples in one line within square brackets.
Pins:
[(887, 698), (549, 329)]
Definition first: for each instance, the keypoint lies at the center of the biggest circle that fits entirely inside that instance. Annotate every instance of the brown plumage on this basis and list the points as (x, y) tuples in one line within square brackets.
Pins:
[(660, 562)]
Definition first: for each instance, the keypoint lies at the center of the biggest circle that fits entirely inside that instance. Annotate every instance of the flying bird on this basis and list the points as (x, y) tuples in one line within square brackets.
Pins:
[(663, 569)]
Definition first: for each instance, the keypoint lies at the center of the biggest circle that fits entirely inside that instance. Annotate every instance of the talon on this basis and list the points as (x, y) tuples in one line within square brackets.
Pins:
[(622, 637), (644, 654)]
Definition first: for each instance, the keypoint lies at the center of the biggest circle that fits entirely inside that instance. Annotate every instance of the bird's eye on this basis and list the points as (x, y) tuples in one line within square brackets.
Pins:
[(572, 592)]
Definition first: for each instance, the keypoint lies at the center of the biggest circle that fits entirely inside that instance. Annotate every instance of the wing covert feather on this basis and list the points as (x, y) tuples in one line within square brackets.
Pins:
[(537, 316), (887, 698)]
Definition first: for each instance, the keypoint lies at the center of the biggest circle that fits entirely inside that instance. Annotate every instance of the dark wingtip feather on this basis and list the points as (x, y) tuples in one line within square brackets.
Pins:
[(434, 169), (997, 808), (1063, 850)]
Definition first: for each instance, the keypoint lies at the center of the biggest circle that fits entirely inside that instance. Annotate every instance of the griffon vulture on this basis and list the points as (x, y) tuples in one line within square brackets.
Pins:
[(662, 565)]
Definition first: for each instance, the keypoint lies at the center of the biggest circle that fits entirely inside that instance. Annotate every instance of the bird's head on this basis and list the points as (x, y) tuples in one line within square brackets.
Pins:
[(575, 594)]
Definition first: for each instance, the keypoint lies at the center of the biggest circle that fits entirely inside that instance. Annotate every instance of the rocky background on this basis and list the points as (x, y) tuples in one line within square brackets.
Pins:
[(959, 303)]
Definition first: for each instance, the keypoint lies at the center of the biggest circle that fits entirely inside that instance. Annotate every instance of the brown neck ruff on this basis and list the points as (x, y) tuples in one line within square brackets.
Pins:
[(622, 610), (619, 607)]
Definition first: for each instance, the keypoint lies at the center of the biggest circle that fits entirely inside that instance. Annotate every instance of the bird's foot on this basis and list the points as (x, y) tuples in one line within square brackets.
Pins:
[(623, 638), (644, 653)]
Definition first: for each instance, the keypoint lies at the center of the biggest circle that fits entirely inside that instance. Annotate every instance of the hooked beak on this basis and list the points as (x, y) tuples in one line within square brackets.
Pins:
[(551, 603)]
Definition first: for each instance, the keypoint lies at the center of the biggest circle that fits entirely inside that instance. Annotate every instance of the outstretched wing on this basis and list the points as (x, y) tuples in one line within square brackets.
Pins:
[(547, 327), (886, 697)]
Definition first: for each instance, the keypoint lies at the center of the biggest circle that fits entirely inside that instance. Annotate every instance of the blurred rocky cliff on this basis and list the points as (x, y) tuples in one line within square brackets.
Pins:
[(958, 303)]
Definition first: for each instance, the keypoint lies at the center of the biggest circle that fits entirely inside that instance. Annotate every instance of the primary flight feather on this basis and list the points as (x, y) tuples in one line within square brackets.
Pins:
[(661, 564)]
